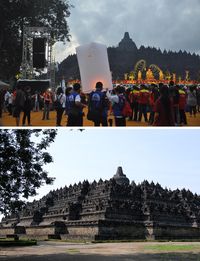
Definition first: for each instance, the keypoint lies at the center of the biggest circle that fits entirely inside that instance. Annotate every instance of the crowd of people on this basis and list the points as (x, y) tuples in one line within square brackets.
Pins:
[(158, 105)]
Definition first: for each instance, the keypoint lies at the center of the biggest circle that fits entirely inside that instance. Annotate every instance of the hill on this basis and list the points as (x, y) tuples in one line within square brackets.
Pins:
[(125, 56)]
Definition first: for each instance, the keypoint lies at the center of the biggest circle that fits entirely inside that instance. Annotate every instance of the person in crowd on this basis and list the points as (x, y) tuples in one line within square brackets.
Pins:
[(9, 101), (154, 95), (36, 97), (198, 98), (143, 102), (164, 114), (98, 106), (192, 100), (27, 107), (134, 97), (6, 99), (19, 99), (182, 105), (118, 101), (1, 104), (75, 107), (60, 105), (68, 92), (174, 94), (128, 91), (47, 102)]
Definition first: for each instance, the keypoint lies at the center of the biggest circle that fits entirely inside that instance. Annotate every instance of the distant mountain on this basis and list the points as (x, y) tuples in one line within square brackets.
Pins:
[(125, 56)]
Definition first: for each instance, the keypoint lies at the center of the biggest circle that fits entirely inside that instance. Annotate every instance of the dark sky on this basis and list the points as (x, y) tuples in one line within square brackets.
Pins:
[(168, 24)]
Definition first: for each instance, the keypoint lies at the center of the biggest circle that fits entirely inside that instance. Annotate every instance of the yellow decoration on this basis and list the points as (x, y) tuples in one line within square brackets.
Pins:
[(139, 75), (174, 77), (126, 76), (131, 76), (187, 78), (149, 75), (161, 75)]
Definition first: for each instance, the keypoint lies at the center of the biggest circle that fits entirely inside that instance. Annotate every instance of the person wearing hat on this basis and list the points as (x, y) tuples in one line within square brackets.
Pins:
[(75, 107)]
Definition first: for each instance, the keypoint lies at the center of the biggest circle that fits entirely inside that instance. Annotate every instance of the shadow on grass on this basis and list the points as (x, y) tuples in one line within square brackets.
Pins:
[(136, 257), (17, 243)]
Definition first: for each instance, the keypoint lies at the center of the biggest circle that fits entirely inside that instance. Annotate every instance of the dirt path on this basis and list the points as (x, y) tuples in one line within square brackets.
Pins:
[(59, 251)]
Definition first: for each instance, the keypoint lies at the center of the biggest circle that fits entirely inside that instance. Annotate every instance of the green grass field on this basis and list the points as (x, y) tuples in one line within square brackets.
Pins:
[(172, 248)]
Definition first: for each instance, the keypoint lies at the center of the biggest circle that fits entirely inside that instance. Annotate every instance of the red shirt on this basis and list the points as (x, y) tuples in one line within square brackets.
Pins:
[(134, 96), (144, 97)]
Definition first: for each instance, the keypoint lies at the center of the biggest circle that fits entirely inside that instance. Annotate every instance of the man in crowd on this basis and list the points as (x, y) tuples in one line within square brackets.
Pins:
[(75, 107), (98, 106)]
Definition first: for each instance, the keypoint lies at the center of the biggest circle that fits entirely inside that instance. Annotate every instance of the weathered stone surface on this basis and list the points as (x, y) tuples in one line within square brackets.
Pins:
[(110, 209)]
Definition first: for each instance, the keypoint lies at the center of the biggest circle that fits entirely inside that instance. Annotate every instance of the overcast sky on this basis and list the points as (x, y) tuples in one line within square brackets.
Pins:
[(168, 24), (170, 157)]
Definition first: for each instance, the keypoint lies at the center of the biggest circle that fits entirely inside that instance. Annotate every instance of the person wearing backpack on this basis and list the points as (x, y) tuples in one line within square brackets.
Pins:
[(59, 105), (98, 106), (118, 101), (75, 107)]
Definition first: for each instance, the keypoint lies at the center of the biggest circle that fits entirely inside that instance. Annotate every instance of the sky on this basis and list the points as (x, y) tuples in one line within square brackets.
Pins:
[(165, 24), (167, 156)]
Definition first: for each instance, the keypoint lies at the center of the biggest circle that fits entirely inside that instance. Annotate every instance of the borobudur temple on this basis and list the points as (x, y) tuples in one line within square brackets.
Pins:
[(111, 209)]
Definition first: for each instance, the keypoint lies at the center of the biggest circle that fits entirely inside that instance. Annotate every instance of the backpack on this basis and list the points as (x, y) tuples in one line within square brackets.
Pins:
[(95, 106), (71, 108), (95, 101)]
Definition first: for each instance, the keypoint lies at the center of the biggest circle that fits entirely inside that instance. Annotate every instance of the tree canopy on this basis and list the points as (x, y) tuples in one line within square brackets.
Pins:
[(15, 14), (23, 155)]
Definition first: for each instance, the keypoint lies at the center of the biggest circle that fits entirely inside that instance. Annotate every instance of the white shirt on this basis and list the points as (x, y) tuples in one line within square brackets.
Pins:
[(62, 99), (112, 98)]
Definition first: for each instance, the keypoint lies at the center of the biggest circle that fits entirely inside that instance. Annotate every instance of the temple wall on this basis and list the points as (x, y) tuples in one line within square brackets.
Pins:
[(6, 231), (84, 232), (38, 231), (121, 230), (88, 216), (176, 232)]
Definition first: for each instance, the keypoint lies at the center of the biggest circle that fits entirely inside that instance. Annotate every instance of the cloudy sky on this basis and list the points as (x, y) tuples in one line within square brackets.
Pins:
[(168, 24), (167, 156)]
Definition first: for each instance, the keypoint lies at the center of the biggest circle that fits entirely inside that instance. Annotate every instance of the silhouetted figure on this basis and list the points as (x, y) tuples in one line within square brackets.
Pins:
[(164, 115)]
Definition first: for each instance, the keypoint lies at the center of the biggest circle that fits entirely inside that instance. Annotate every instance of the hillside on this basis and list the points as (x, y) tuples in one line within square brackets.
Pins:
[(125, 56)]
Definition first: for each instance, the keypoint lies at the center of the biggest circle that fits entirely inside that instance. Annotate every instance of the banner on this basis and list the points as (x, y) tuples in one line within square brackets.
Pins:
[(94, 66)]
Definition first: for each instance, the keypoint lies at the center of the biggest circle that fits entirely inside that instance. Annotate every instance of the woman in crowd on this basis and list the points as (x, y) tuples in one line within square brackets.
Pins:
[(164, 115), (192, 101)]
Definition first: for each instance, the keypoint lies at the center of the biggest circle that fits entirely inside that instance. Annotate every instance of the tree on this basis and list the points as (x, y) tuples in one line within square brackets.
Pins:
[(23, 155), (15, 14)]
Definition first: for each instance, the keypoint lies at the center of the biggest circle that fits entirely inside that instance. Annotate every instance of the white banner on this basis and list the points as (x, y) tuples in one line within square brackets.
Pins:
[(94, 66)]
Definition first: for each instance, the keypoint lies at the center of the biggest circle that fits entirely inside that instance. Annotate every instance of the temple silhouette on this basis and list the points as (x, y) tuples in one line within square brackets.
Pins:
[(125, 55), (111, 209)]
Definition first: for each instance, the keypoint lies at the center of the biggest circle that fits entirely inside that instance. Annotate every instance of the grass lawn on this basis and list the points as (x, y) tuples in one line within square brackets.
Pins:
[(172, 248), (12, 242)]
